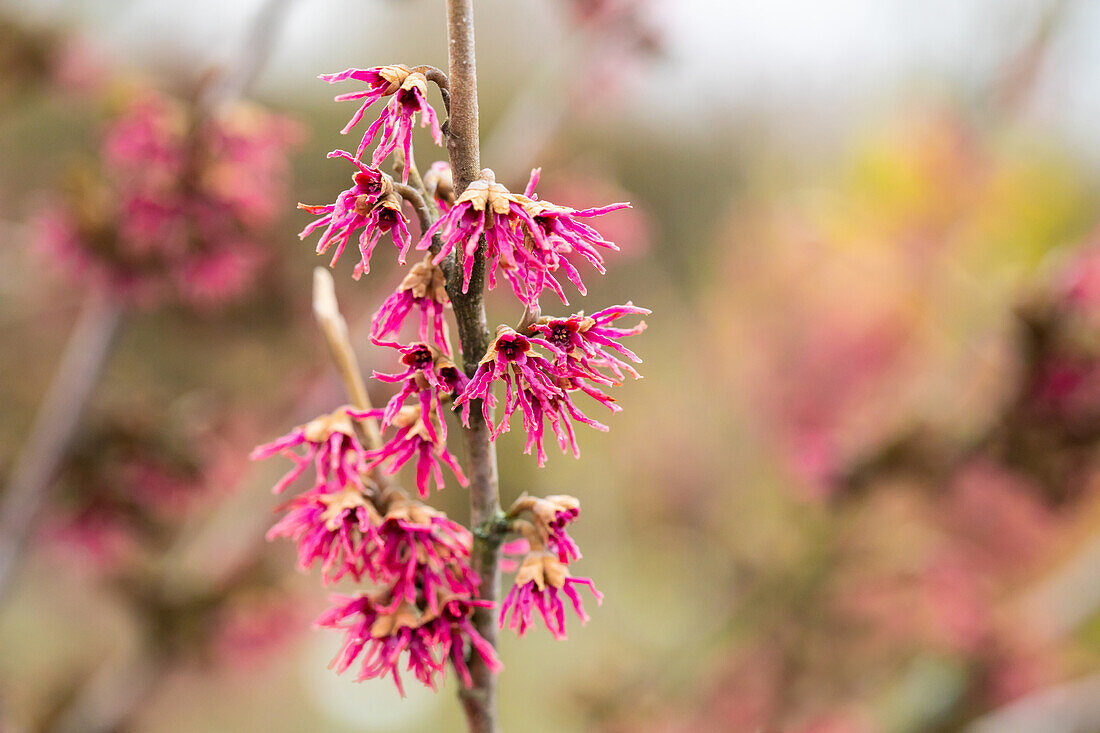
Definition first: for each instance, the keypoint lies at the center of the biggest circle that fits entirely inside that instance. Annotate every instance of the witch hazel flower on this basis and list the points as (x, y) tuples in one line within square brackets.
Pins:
[(339, 528), (422, 289), (534, 386), (509, 358), (396, 122), (331, 445), (487, 208), (371, 205), (379, 639), (591, 340), (560, 234), (526, 237), (413, 437), (540, 583), (409, 96), (420, 378), (550, 516), (424, 552)]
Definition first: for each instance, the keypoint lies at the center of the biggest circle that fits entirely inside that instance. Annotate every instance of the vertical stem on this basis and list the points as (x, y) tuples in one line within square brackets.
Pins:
[(327, 313), (54, 427), (479, 701)]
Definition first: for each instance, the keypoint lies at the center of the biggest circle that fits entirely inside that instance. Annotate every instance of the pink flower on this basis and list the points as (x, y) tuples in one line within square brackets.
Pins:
[(526, 237), (409, 90), (420, 378), (413, 438), (427, 639), (396, 122), (533, 385), (331, 445), (591, 339), (559, 234), (425, 552), (487, 208), (537, 586), (371, 205), (340, 528), (423, 289), (552, 514)]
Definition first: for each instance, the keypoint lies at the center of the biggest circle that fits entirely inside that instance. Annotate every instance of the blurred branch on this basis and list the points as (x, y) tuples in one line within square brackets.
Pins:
[(254, 53), (112, 695), (1068, 708), (54, 427), (1017, 80)]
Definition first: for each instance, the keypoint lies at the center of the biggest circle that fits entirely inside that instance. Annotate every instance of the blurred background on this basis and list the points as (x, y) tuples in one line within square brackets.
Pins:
[(858, 489)]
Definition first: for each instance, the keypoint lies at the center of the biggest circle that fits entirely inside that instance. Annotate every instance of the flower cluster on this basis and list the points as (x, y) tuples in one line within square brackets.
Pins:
[(429, 639), (356, 520), (371, 205), (419, 557), (529, 239), (543, 578), (174, 211), (540, 388), (407, 90)]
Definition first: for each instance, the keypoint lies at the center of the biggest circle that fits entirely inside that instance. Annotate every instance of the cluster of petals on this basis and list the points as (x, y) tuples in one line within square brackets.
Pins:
[(412, 437), (590, 342), (370, 205), (426, 640), (423, 290), (533, 385), (173, 212), (540, 583), (338, 528), (527, 238), (421, 379), (423, 553), (408, 92), (552, 514), (330, 443)]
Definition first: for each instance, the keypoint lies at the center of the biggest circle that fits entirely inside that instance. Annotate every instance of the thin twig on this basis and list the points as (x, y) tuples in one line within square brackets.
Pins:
[(327, 312), (28, 487), (438, 78)]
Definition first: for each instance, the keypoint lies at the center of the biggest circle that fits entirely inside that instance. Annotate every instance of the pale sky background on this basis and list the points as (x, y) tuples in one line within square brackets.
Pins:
[(808, 62)]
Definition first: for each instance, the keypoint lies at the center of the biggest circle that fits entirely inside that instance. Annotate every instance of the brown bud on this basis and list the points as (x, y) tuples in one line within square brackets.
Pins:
[(349, 498), (320, 428), (395, 74)]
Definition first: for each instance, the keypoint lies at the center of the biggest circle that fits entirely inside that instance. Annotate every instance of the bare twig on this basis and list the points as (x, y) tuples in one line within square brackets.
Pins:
[(327, 312), (438, 78), (54, 427), (419, 204)]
